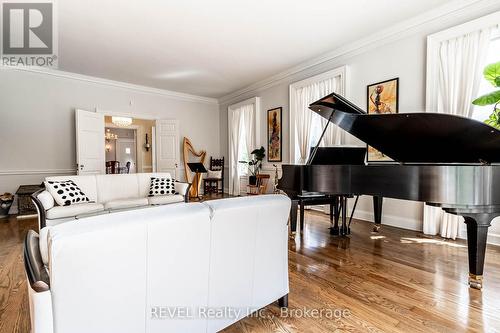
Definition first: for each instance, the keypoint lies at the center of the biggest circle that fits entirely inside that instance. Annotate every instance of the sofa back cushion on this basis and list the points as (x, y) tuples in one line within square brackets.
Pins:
[(249, 245), (117, 187), (86, 183), (144, 180), (109, 273)]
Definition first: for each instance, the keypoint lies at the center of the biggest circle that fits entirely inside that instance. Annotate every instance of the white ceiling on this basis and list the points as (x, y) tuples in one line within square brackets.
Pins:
[(213, 47)]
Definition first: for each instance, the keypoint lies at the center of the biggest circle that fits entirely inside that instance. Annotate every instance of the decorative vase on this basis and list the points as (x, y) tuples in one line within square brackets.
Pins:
[(252, 180)]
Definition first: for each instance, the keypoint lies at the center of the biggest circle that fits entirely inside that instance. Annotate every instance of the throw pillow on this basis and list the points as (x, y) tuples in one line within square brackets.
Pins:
[(161, 186), (66, 192), (214, 174)]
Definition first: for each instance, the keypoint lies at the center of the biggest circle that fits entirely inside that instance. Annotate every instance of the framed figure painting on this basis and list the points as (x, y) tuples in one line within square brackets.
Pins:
[(382, 98), (274, 135)]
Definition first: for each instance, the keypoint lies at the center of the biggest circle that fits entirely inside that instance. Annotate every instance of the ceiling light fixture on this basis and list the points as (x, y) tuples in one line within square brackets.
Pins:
[(121, 121)]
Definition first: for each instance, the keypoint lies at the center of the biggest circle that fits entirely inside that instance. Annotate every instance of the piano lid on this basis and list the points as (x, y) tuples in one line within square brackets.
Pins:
[(415, 137)]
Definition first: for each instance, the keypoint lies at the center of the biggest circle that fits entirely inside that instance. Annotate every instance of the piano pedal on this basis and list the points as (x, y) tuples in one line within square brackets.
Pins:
[(376, 228)]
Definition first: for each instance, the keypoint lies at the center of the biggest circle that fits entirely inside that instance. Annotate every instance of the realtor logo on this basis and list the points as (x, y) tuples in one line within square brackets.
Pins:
[(28, 34)]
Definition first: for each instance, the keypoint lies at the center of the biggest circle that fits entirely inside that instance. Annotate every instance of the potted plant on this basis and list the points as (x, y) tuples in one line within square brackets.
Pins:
[(491, 74), (255, 164)]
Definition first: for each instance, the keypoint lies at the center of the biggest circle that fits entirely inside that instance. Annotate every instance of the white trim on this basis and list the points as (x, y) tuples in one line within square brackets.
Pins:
[(449, 11), (92, 79), (433, 42), (391, 220), (36, 172), (339, 71)]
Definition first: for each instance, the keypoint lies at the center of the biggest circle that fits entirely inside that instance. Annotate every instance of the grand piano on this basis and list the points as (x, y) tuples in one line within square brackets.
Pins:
[(443, 160)]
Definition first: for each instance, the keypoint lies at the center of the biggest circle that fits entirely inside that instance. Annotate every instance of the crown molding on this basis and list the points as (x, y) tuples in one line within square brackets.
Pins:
[(117, 84), (398, 31)]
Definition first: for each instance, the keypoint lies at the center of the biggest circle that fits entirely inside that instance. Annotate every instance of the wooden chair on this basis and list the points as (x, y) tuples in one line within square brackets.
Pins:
[(112, 167), (211, 184)]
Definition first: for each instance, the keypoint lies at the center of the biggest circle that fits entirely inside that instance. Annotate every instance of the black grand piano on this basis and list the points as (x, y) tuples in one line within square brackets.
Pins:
[(443, 160)]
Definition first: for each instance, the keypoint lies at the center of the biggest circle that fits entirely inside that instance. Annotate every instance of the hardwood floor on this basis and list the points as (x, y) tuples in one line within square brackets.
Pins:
[(396, 281)]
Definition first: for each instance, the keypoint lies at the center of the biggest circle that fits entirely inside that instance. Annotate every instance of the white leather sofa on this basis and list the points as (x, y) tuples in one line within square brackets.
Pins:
[(160, 269), (106, 193)]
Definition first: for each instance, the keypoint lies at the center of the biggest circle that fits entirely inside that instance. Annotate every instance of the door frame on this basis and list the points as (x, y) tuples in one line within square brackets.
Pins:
[(135, 127)]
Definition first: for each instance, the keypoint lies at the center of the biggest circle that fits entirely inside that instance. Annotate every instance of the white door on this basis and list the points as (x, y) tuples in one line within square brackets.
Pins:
[(167, 146), (90, 152), (125, 152)]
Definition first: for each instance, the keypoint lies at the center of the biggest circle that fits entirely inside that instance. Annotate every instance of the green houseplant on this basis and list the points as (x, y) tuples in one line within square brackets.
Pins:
[(255, 164), (491, 74)]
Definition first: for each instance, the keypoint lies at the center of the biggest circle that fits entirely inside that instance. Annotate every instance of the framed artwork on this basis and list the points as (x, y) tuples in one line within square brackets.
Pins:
[(382, 98), (274, 135)]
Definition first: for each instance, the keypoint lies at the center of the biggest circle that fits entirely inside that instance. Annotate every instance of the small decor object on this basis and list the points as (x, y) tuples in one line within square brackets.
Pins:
[(382, 98), (161, 186), (492, 75), (147, 146), (255, 164), (6, 201), (274, 135), (66, 192)]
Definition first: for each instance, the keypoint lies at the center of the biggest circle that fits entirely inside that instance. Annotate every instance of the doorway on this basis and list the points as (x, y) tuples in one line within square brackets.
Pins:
[(129, 147)]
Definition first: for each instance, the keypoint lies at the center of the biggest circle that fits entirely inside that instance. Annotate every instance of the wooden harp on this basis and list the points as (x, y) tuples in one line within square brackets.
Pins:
[(187, 147)]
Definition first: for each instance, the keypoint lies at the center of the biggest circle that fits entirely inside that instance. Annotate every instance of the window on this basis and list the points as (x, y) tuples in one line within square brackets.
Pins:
[(243, 131), (482, 113), (306, 126)]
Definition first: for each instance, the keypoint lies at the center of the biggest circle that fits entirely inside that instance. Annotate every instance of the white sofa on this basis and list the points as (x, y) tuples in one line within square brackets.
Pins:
[(106, 193), (160, 269)]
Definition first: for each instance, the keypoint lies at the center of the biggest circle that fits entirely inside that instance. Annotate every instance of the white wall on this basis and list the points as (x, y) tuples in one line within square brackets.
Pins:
[(37, 123), (403, 58)]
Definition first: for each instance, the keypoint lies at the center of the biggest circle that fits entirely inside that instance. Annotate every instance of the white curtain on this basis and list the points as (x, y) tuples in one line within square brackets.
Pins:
[(242, 127), (461, 62), (304, 96)]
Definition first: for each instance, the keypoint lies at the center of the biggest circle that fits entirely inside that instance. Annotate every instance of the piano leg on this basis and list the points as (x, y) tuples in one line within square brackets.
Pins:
[(343, 229), (377, 212), (331, 212), (302, 210), (293, 216), (477, 232), (334, 230)]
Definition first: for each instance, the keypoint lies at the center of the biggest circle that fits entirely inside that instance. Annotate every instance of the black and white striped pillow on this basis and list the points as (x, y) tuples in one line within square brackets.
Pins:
[(161, 186), (66, 192)]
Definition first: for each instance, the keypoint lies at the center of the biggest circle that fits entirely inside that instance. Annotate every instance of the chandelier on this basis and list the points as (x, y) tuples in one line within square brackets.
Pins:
[(121, 121), (110, 136)]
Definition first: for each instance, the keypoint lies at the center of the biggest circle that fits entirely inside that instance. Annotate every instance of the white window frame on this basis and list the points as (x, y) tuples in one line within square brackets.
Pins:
[(433, 42), (230, 110), (342, 71)]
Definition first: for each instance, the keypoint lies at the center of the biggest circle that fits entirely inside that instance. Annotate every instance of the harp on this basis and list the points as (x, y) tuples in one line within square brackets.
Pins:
[(188, 150)]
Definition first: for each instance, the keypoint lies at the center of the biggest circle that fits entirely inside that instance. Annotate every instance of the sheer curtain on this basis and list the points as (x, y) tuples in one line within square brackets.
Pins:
[(242, 128), (460, 67), (304, 96)]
